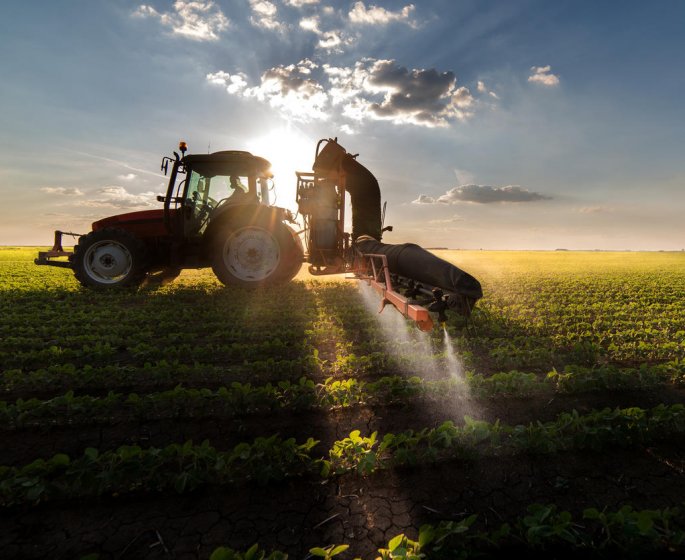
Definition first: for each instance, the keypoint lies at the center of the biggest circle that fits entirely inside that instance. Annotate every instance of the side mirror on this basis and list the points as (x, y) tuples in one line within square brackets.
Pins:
[(161, 198)]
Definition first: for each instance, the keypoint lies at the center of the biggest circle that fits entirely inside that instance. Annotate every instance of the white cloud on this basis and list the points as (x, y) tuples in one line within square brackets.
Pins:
[(196, 19), (300, 3), (118, 197), (375, 15), (483, 194), (66, 191), (482, 88), (310, 24), (370, 90), (234, 83), (264, 15), (424, 199), (128, 177), (287, 88), (383, 90), (542, 75), (328, 40)]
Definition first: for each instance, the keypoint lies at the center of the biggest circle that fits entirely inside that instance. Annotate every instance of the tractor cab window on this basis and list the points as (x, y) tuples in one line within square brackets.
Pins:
[(207, 192)]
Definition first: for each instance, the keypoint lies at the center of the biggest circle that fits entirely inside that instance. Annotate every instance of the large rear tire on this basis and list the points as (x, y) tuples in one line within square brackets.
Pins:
[(109, 258), (258, 254)]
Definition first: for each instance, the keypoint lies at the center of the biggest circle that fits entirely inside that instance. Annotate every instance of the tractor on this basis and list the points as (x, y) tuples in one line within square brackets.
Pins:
[(216, 213)]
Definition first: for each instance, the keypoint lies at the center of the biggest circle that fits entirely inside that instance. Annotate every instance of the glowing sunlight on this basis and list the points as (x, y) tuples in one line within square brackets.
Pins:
[(289, 151)]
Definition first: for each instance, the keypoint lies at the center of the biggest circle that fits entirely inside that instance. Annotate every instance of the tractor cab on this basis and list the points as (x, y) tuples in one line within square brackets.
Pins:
[(203, 186)]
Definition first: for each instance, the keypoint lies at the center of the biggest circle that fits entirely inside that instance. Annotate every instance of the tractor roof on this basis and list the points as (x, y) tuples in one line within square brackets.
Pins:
[(233, 162)]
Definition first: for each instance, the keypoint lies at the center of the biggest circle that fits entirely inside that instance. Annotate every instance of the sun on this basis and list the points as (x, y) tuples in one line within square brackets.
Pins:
[(289, 151)]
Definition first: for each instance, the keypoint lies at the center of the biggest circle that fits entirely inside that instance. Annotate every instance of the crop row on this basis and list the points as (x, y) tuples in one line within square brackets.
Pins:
[(524, 324), (244, 398), (624, 533), (150, 374), (185, 467)]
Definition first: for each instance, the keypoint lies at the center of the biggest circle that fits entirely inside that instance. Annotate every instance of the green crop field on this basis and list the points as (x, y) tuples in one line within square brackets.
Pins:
[(195, 421)]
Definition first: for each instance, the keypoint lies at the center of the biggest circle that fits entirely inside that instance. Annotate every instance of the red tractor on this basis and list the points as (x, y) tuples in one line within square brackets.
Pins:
[(216, 213)]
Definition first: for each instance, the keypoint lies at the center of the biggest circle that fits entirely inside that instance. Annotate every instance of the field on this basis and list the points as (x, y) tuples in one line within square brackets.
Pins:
[(189, 420)]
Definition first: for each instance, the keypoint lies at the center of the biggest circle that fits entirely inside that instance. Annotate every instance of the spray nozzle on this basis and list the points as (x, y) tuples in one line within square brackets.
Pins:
[(413, 289), (439, 305)]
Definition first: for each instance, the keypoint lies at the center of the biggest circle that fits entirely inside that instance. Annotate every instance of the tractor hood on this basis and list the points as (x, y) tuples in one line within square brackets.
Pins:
[(145, 223)]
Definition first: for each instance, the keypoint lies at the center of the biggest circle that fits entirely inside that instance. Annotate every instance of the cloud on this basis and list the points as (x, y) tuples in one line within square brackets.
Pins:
[(370, 90), (264, 15), (374, 15), (482, 88), (463, 176), (66, 191), (594, 210), (287, 88), (234, 83), (328, 40), (542, 75), (383, 90), (195, 19), (300, 3), (451, 220), (483, 194), (128, 177), (119, 197)]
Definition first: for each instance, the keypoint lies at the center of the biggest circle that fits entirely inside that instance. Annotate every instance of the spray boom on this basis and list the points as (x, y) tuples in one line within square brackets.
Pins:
[(386, 268)]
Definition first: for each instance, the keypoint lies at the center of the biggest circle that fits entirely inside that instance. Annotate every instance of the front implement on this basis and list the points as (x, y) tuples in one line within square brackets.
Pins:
[(49, 257)]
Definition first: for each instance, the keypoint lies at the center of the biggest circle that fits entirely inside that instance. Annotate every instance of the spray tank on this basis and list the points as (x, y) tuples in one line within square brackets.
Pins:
[(428, 284)]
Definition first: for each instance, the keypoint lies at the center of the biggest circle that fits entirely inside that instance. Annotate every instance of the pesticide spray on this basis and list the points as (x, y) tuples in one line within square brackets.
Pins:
[(412, 348), (455, 367), (422, 354)]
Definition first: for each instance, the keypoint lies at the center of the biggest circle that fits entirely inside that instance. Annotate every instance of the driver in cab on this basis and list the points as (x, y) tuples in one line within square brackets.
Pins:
[(239, 190)]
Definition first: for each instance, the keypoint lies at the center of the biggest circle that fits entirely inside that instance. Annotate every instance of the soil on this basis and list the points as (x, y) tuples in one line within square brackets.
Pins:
[(364, 512)]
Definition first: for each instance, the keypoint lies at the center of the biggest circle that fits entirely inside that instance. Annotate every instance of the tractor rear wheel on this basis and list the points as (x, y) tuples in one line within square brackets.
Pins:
[(257, 254), (109, 258)]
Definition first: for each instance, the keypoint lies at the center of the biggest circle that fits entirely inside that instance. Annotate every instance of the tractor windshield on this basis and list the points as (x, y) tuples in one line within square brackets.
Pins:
[(213, 190), (205, 192)]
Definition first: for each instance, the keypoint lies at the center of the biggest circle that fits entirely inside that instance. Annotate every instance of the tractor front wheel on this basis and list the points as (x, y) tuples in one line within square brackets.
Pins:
[(257, 255), (109, 258)]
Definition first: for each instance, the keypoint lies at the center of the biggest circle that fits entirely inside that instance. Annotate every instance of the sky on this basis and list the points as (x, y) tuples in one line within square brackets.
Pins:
[(488, 124)]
